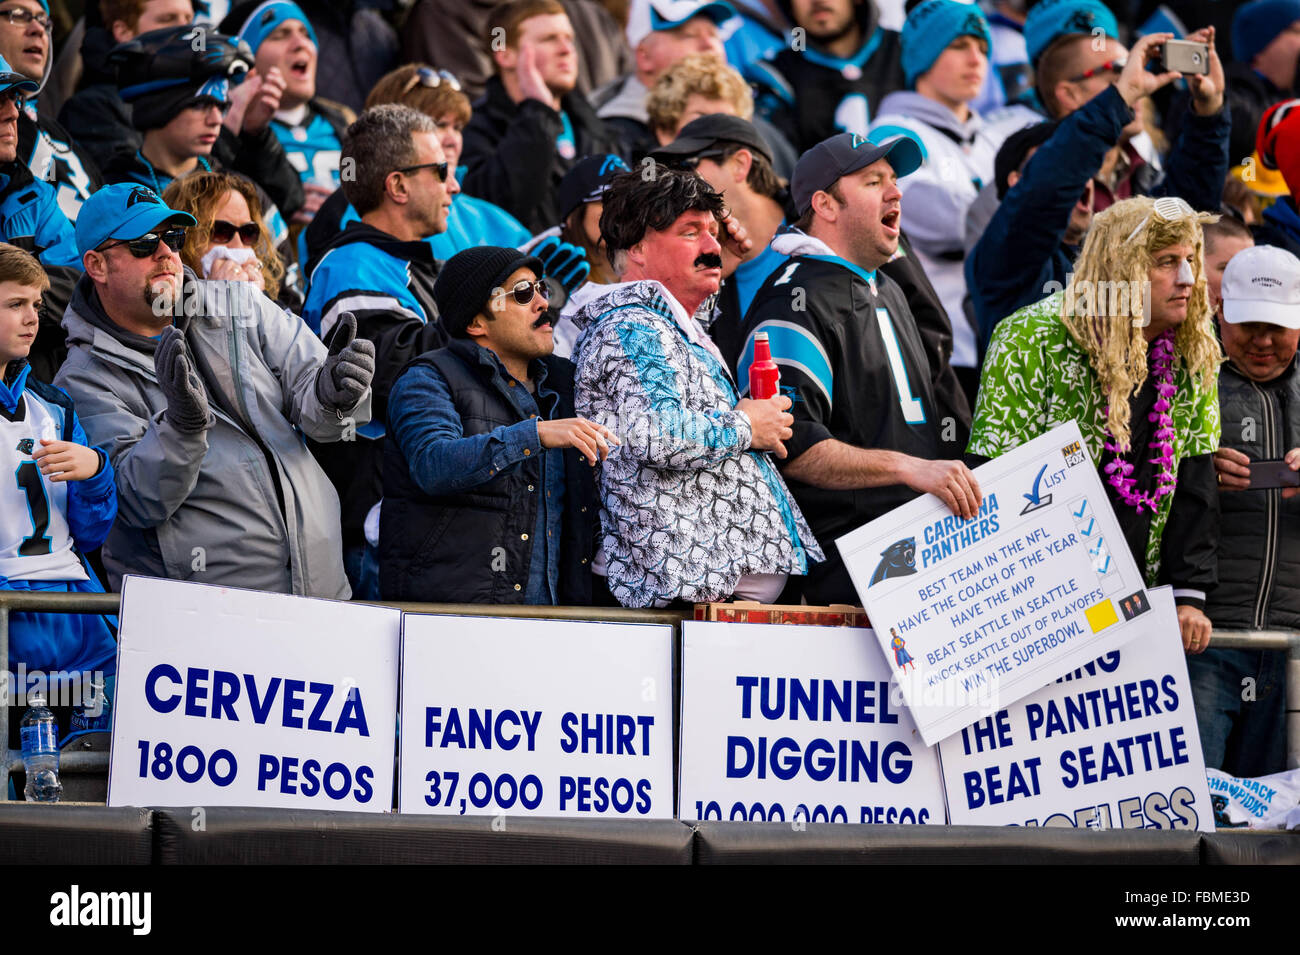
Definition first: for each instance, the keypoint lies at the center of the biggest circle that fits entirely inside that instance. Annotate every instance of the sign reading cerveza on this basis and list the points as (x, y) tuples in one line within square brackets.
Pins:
[(975, 614), (1112, 745), (240, 698), (536, 717), (798, 724)]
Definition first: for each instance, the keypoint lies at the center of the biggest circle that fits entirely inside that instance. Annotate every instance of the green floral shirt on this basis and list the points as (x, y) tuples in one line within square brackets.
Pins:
[(1036, 377)]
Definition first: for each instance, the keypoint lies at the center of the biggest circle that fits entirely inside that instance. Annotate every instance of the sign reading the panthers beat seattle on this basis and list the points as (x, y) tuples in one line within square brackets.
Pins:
[(990, 609), (1112, 745)]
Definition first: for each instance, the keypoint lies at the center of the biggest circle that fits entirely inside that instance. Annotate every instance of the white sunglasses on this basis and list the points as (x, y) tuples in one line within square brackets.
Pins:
[(1168, 209)]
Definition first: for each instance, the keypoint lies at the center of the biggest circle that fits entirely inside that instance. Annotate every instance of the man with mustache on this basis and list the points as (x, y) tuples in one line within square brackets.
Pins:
[(202, 409), (691, 508)]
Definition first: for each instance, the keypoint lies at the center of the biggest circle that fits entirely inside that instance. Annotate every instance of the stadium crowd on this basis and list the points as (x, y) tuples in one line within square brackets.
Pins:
[(456, 300)]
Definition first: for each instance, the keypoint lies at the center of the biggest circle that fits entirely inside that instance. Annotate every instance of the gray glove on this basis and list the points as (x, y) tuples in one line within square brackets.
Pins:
[(187, 401), (345, 377)]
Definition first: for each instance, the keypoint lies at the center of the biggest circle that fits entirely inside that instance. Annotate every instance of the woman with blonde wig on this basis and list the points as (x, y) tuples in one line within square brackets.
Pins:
[(1127, 350)]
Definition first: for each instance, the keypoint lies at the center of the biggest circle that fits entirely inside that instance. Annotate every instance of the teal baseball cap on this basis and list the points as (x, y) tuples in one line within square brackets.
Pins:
[(124, 210), (12, 79)]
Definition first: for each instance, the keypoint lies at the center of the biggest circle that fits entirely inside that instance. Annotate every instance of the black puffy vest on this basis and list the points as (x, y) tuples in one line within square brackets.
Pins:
[(476, 546)]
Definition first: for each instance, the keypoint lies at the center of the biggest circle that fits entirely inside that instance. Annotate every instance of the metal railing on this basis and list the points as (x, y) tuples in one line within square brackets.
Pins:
[(76, 763)]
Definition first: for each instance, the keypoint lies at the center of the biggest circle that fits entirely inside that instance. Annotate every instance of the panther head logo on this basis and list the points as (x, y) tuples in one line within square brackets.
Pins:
[(26, 446), (897, 560), (141, 194)]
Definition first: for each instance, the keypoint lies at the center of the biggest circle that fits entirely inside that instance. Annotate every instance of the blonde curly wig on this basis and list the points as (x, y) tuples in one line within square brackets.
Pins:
[(1113, 268)]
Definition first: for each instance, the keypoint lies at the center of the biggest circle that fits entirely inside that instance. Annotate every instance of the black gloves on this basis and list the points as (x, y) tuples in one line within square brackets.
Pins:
[(187, 401)]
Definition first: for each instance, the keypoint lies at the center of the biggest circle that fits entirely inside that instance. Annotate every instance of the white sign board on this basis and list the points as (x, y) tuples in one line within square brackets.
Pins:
[(793, 723), (1111, 746), (242, 698), (536, 717), (973, 615)]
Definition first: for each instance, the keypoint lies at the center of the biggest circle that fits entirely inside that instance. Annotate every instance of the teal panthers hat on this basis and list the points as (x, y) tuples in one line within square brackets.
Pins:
[(124, 210)]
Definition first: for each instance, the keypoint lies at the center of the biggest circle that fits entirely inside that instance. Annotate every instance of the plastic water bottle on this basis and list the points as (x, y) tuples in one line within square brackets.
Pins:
[(40, 734), (764, 376), (95, 714)]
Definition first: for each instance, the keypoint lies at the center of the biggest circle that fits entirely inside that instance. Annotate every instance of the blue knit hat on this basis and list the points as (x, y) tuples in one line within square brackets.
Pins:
[(1055, 18), (1256, 24), (934, 24)]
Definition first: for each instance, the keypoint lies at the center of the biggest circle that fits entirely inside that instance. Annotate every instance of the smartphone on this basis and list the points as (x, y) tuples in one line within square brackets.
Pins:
[(1266, 474), (1185, 56)]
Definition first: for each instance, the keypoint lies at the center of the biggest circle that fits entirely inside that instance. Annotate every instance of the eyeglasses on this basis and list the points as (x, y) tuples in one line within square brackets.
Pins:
[(1110, 66), (692, 162), (438, 167), (1167, 209), (20, 17), (145, 246), (223, 231), (524, 290), (430, 79)]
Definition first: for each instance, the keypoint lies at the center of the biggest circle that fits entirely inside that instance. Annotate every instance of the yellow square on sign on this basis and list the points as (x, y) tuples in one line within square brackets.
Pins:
[(1101, 616)]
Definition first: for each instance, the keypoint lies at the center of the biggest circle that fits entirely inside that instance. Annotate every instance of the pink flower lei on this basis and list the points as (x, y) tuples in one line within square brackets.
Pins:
[(1120, 471)]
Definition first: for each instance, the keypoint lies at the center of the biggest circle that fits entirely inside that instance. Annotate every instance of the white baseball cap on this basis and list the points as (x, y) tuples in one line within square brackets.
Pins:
[(1262, 284), (646, 16)]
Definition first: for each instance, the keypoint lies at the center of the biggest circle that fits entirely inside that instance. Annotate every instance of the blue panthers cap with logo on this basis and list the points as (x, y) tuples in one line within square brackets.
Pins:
[(12, 79), (1056, 18), (823, 165), (124, 210)]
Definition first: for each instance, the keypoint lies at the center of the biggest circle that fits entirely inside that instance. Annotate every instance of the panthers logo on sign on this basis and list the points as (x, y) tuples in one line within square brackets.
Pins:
[(897, 560)]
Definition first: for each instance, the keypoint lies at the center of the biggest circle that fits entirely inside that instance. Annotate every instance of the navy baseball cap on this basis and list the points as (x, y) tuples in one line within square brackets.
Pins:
[(12, 79), (124, 210), (705, 132), (823, 165), (588, 181)]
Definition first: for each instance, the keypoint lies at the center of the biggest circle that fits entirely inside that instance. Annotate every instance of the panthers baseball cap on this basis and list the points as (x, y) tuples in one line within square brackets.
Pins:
[(12, 79), (588, 181), (124, 210), (1262, 284), (820, 167), (646, 16), (705, 132)]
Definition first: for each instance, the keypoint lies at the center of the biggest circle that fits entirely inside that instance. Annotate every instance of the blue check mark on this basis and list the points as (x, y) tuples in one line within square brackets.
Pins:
[(1083, 509), (1105, 566), (1097, 550), (1087, 531)]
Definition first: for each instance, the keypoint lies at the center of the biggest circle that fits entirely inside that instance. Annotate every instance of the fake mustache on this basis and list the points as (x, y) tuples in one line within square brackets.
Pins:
[(708, 260)]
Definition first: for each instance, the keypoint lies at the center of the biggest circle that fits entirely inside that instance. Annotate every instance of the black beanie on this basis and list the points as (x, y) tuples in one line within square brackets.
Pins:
[(466, 281)]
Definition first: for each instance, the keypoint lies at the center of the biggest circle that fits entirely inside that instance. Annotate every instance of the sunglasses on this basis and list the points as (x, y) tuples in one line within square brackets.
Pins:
[(223, 232), (1167, 209), (145, 246), (440, 168), (1110, 66), (524, 290), (430, 79), (693, 162)]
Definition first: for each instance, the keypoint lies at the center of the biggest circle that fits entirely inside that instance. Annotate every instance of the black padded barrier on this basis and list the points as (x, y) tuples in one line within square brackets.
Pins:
[(303, 836), (1244, 847), (720, 843), (70, 834)]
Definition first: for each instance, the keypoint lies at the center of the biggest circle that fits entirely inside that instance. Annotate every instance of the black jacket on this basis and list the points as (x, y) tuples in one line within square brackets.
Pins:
[(96, 115), (425, 542), (809, 95), (1259, 546), (512, 157), (53, 154), (370, 262)]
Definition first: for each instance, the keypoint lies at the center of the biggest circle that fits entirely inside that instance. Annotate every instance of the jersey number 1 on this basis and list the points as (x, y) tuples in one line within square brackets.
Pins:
[(29, 481), (913, 410)]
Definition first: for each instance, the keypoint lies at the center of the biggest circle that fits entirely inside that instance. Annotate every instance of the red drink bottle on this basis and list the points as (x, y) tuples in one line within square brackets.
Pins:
[(764, 376)]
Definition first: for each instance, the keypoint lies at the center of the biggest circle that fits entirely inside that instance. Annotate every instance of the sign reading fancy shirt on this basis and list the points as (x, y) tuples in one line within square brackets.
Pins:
[(986, 611), (1113, 745), (241, 698), (540, 717), (791, 723)]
